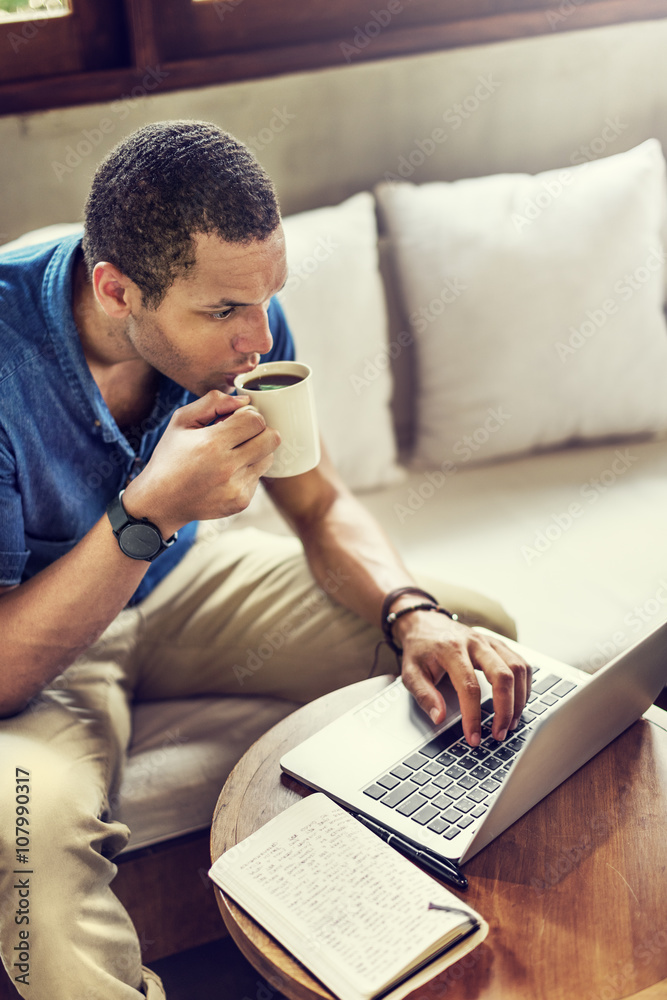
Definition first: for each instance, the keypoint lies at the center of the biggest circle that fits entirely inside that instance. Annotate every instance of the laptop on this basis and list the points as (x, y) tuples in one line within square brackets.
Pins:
[(386, 760)]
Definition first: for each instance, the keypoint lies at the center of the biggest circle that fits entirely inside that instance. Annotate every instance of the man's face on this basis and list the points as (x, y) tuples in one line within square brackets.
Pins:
[(213, 324)]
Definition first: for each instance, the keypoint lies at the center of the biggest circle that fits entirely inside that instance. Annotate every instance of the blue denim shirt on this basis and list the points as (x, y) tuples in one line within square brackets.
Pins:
[(62, 455)]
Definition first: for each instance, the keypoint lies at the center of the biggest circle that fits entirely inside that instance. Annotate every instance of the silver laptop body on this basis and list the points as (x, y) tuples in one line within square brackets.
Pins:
[(355, 757)]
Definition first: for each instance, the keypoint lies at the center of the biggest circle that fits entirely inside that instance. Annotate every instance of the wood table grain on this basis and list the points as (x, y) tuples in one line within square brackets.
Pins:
[(575, 892)]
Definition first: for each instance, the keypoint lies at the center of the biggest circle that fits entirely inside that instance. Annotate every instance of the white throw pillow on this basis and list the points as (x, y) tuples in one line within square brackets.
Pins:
[(536, 305), (334, 302)]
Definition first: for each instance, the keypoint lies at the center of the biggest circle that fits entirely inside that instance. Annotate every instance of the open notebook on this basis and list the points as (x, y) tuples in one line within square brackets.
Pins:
[(363, 919)]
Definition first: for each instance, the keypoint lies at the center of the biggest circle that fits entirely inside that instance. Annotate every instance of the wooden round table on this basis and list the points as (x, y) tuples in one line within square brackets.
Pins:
[(575, 892)]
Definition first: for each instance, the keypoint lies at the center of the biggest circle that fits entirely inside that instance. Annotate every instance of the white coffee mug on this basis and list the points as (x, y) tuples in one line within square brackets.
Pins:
[(289, 409)]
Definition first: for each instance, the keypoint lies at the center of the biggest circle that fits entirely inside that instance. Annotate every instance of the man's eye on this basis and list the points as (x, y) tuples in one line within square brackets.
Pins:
[(223, 314)]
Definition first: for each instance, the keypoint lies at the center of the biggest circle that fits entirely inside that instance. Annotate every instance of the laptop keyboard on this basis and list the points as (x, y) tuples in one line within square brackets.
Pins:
[(447, 785)]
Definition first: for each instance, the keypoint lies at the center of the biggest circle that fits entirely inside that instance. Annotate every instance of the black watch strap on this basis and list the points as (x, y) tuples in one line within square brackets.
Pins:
[(138, 538)]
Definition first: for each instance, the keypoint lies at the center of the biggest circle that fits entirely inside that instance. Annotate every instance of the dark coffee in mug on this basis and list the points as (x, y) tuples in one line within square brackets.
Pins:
[(291, 412), (264, 382)]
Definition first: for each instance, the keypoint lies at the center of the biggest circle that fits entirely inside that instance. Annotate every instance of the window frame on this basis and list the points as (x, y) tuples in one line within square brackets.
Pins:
[(121, 48), (38, 49)]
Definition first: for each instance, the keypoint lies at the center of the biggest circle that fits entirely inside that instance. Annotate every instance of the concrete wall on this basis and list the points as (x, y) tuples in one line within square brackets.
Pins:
[(525, 105)]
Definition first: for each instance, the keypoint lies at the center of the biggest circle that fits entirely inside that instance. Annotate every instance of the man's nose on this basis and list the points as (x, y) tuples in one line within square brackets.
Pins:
[(255, 335)]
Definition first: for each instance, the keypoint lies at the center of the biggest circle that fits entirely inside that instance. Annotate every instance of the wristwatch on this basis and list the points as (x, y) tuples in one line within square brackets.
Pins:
[(138, 538)]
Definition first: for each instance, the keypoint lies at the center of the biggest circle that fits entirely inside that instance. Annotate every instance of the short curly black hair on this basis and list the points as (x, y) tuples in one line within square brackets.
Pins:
[(165, 183)]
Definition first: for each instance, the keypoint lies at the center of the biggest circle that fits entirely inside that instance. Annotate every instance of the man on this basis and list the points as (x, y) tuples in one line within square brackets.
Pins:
[(116, 405)]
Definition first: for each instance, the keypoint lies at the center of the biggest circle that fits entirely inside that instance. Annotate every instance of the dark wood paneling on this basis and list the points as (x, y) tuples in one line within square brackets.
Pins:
[(143, 38), (91, 37), (293, 49), (102, 34), (167, 893), (229, 26), (38, 47)]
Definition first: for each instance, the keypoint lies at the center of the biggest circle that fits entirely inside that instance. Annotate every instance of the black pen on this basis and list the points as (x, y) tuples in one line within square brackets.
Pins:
[(442, 868)]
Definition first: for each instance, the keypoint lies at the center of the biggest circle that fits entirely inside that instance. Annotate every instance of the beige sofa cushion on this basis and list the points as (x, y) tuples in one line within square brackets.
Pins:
[(536, 305)]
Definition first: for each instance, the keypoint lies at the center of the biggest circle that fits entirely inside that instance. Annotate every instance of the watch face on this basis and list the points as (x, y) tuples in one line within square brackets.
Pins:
[(140, 541)]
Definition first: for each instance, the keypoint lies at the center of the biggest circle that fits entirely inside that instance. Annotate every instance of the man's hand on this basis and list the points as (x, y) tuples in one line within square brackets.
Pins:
[(434, 645), (206, 465), (337, 530)]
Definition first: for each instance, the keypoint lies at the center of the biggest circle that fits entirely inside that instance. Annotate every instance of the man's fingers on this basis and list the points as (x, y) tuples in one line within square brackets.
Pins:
[(509, 677), (261, 467), (468, 691), (522, 679), (243, 425), (203, 411), (500, 677), (419, 675), (456, 661), (424, 691), (427, 657), (522, 675)]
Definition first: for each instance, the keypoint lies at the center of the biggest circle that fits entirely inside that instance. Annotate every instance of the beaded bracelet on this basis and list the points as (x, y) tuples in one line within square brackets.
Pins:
[(389, 618)]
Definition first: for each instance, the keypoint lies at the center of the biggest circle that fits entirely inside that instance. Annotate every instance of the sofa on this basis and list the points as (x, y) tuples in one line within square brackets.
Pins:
[(490, 366)]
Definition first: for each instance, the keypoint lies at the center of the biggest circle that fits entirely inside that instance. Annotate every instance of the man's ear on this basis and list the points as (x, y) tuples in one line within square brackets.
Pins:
[(115, 292)]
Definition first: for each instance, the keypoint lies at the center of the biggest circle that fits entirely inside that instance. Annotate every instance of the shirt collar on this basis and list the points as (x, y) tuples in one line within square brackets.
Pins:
[(64, 335)]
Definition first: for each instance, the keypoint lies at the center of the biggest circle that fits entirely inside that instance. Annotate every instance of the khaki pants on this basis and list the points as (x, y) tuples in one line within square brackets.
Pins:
[(239, 615)]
